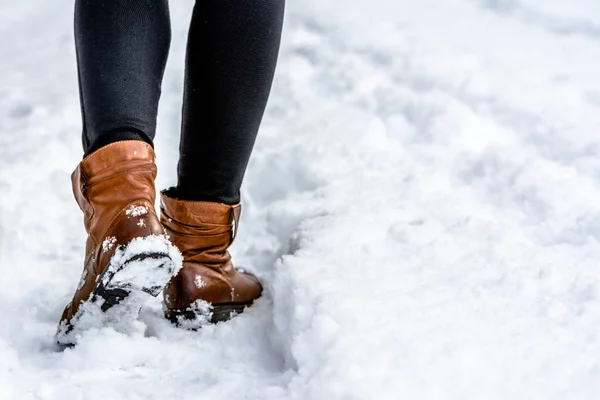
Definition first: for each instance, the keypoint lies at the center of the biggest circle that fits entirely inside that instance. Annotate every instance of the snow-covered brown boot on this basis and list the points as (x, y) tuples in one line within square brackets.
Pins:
[(127, 256), (208, 288)]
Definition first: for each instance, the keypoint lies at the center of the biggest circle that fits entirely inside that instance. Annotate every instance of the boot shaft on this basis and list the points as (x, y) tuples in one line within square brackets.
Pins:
[(202, 231), (112, 178)]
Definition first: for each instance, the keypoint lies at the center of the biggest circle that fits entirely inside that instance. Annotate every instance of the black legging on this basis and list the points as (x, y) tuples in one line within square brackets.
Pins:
[(122, 48)]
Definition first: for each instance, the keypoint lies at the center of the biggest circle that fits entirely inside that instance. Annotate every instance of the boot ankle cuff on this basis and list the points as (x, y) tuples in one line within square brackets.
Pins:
[(111, 154)]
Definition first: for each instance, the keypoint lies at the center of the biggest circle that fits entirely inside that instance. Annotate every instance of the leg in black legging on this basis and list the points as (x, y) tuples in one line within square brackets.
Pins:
[(231, 55), (122, 48)]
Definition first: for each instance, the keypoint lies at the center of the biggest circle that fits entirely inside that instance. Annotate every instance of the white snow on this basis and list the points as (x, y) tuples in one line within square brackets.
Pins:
[(136, 211), (82, 279), (158, 244), (203, 313), (199, 282), (109, 243), (423, 206)]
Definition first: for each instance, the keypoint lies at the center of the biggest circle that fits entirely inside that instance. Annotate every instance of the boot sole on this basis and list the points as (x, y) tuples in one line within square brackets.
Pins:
[(113, 286), (121, 283), (218, 313), (119, 294)]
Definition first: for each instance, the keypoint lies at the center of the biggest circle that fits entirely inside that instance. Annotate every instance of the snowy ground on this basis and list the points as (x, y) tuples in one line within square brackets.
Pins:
[(423, 205)]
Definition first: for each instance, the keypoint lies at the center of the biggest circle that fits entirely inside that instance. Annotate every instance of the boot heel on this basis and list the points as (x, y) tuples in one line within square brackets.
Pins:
[(194, 317), (226, 312)]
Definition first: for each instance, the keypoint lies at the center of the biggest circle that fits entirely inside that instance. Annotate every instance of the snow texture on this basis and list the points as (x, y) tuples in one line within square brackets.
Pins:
[(136, 211), (202, 315), (199, 282), (109, 243), (157, 244), (423, 206)]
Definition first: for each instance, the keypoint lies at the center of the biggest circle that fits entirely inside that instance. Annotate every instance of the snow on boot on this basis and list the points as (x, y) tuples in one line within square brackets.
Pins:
[(208, 288), (127, 257)]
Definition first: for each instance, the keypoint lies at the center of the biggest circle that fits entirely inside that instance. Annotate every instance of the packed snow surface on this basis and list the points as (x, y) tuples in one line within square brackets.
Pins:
[(423, 205)]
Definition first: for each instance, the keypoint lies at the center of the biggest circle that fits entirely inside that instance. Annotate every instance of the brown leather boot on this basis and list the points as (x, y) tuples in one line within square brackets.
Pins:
[(128, 256), (208, 287)]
